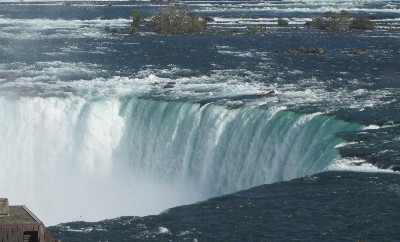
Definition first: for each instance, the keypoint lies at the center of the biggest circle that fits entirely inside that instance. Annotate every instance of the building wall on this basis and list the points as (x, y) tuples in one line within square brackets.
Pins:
[(15, 233)]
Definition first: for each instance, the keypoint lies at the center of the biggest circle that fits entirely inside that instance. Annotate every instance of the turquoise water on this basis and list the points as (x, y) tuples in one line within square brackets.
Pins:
[(136, 125)]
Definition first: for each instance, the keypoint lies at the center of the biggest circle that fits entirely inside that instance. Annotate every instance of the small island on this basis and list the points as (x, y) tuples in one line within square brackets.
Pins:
[(177, 19)]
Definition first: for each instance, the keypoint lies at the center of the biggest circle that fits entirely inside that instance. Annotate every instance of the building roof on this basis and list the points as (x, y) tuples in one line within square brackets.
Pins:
[(19, 215)]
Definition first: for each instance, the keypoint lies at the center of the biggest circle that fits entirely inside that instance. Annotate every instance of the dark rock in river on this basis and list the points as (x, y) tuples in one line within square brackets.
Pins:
[(315, 50), (357, 52), (267, 93), (396, 168), (170, 85)]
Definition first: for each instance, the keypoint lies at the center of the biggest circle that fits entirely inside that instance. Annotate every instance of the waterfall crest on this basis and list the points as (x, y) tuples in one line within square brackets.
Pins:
[(106, 158)]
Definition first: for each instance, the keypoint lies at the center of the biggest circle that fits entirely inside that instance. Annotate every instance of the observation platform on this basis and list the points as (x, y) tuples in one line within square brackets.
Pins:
[(19, 224)]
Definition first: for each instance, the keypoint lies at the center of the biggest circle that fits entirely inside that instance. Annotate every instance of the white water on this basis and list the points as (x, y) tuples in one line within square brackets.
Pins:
[(71, 159), (356, 165), (56, 157)]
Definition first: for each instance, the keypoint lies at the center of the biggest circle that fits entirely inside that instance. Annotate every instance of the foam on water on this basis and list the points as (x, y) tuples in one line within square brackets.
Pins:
[(356, 165), (18, 29), (221, 86), (299, 7)]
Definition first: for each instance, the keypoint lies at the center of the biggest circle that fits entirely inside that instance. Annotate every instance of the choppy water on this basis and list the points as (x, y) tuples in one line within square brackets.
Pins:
[(103, 125), (329, 206)]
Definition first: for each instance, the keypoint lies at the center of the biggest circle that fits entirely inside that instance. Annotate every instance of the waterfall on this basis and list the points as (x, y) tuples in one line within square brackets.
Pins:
[(75, 159)]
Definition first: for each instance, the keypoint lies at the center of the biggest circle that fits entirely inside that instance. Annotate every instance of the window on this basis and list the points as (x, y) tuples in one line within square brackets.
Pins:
[(31, 236)]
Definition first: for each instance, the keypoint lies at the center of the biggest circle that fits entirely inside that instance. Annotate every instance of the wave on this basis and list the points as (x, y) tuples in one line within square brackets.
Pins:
[(46, 28), (357, 165), (147, 155)]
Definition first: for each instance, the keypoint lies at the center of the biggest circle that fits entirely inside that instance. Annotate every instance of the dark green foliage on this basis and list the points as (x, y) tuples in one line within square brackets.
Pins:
[(137, 18), (314, 22), (209, 19), (236, 30), (132, 30), (333, 22), (362, 23), (345, 14), (341, 22), (177, 19), (113, 31), (254, 29), (283, 22)]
